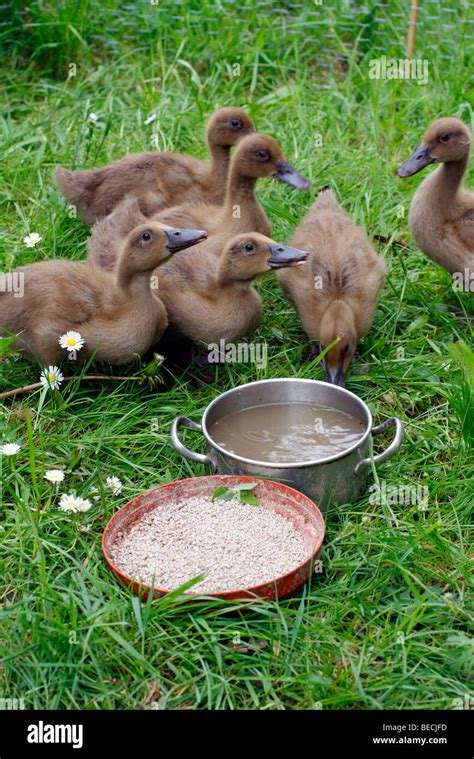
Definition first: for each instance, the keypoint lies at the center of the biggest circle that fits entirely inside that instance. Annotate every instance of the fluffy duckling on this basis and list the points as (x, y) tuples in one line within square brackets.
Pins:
[(208, 298), (158, 179), (256, 156), (335, 292), (107, 234), (117, 314), (441, 215)]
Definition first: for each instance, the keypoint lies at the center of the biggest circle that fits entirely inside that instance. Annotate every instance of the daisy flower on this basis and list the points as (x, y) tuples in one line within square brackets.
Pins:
[(10, 449), (83, 504), (72, 341), (93, 117), (54, 475), (51, 377), (32, 239), (114, 484), (69, 502)]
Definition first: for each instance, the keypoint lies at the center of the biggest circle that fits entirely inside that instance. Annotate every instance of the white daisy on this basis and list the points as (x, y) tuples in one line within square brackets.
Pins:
[(72, 341), (10, 449), (32, 239), (83, 504), (114, 484), (69, 502), (150, 119), (54, 475), (93, 117), (51, 377)]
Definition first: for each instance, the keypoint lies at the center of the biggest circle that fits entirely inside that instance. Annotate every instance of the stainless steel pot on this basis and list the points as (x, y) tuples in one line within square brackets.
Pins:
[(338, 479)]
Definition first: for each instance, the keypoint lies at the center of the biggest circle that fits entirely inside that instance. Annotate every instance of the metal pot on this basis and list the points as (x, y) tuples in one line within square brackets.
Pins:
[(338, 479)]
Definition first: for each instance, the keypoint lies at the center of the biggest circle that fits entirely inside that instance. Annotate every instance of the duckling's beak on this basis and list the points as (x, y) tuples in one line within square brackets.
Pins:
[(179, 239), (335, 376), (282, 255), (420, 158), (287, 173)]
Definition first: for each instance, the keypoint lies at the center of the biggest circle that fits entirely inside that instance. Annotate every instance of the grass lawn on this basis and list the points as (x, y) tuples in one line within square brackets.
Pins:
[(386, 625)]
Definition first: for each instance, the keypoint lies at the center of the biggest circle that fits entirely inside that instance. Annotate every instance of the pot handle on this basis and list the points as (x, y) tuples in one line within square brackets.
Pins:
[(183, 421), (394, 445)]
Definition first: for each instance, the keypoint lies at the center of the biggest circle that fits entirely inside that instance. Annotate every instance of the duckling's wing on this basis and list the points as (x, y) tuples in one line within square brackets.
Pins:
[(79, 296), (464, 229)]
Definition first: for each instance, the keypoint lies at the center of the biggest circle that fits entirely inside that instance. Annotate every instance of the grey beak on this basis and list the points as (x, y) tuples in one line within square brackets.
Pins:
[(420, 158), (282, 255), (335, 377), (179, 239), (287, 173)]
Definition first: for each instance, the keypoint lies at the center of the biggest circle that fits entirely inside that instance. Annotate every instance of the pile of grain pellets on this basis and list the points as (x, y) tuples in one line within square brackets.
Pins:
[(235, 545)]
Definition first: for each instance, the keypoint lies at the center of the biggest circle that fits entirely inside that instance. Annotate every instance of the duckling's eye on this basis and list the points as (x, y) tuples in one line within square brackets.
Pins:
[(262, 155), (345, 349), (145, 237), (236, 124), (445, 138), (248, 247)]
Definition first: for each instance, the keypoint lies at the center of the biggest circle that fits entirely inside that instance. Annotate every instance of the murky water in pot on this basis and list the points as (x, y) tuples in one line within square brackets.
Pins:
[(286, 432)]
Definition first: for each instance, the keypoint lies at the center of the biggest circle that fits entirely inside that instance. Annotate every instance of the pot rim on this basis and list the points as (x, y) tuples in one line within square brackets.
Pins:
[(291, 464)]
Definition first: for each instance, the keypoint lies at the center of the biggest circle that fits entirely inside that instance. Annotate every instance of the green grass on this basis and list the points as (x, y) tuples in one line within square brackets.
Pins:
[(386, 625)]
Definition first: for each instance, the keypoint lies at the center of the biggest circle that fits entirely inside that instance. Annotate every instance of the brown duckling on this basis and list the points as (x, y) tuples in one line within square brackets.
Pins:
[(107, 234), (441, 215), (158, 179), (117, 314), (335, 292), (256, 156), (208, 298)]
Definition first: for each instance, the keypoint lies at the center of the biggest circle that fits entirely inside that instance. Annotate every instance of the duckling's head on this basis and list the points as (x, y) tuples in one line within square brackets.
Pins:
[(227, 126), (248, 255), (259, 155), (151, 243), (338, 321), (446, 140)]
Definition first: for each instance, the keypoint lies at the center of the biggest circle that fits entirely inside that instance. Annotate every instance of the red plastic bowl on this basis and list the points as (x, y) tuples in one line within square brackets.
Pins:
[(286, 501)]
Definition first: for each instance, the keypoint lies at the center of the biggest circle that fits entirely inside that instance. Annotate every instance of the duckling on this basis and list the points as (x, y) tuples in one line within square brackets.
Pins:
[(107, 234), (208, 298), (117, 314), (441, 215), (256, 156), (335, 292), (158, 179)]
